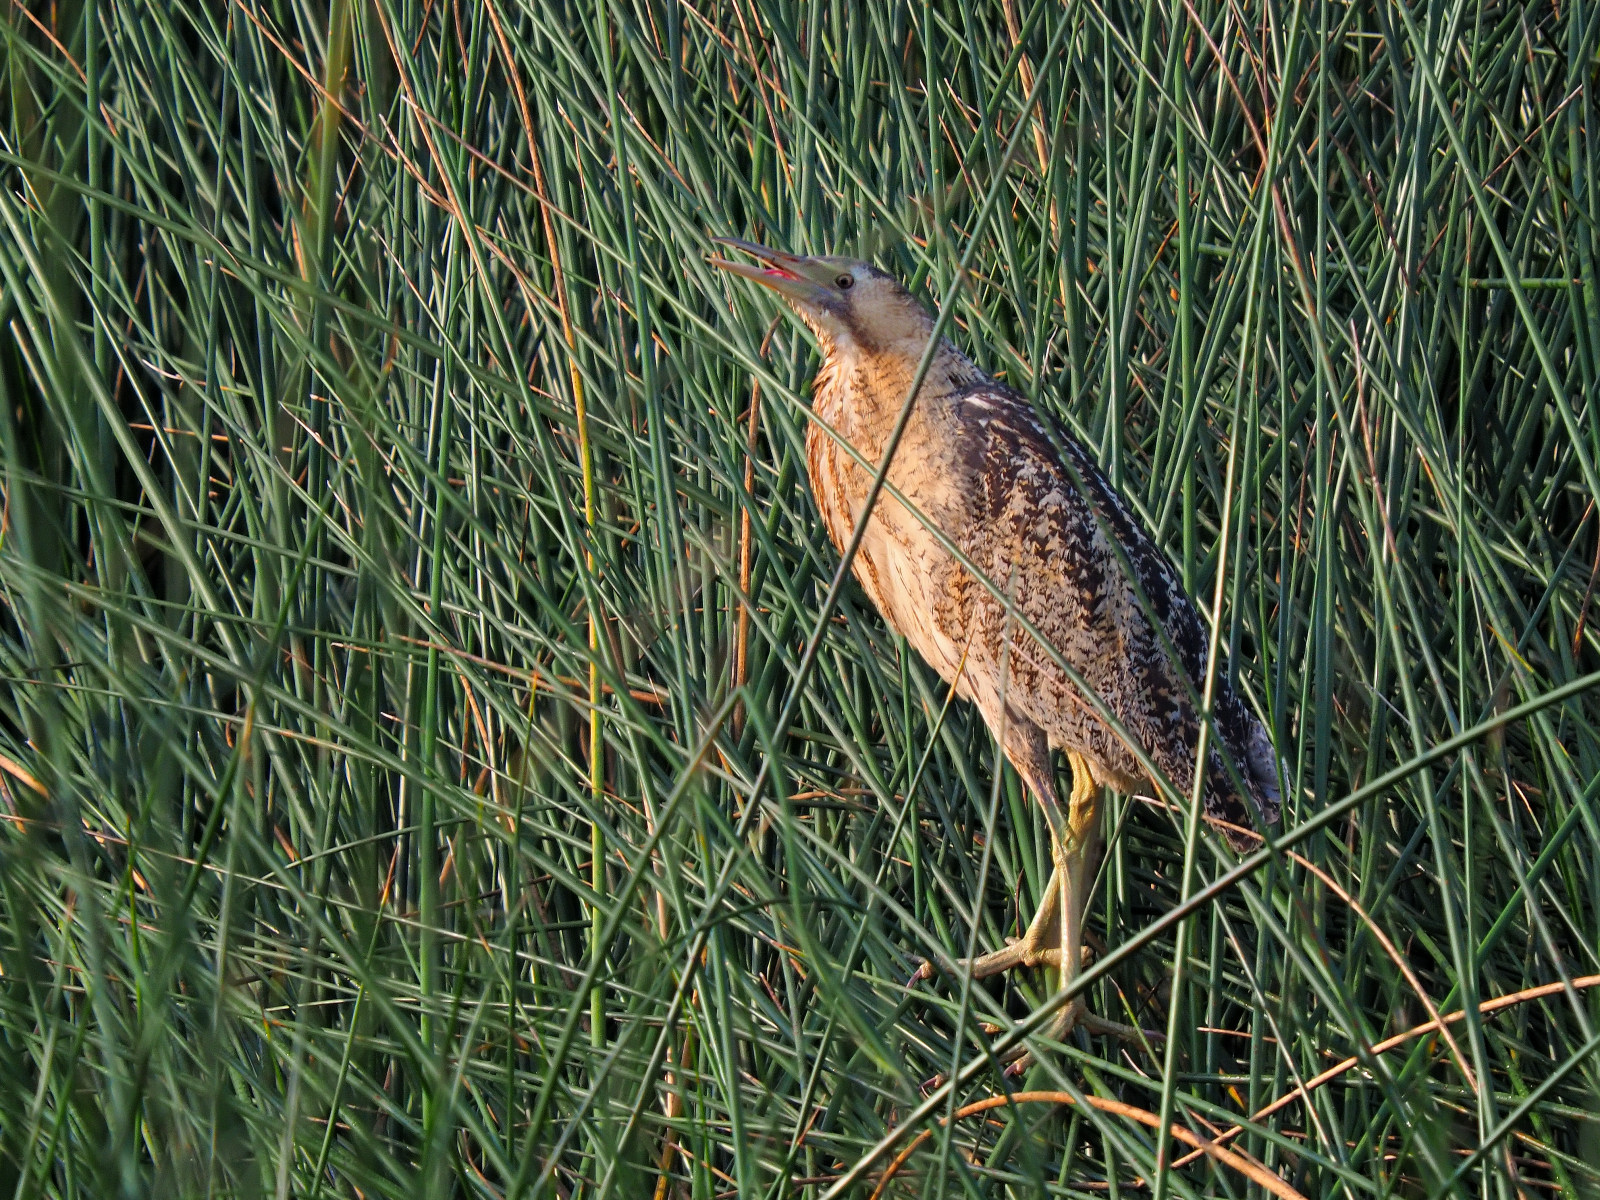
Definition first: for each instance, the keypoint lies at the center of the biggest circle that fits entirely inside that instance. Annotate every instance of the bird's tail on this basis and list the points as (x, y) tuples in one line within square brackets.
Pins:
[(1262, 798), (1265, 769)]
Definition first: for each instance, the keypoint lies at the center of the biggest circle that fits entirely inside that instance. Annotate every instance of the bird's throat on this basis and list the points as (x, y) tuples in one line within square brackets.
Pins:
[(860, 392)]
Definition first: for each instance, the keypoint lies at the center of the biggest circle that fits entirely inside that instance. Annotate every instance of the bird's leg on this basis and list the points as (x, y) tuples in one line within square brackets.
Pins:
[(1075, 846), (1076, 849), (1040, 945), (1055, 936)]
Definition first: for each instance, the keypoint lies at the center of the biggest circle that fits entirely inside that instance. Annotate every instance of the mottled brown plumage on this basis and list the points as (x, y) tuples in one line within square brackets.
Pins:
[(1039, 519)]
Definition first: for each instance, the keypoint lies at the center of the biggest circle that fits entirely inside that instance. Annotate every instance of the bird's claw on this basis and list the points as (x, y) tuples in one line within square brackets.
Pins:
[(1019, 952), (1104, 1027), (1077, 1016)]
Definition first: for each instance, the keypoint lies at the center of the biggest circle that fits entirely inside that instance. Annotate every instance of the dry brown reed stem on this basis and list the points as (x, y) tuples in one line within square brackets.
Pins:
[(741, 659), (1395, 957), (1400, 1039), (1383, 939), (1239, 1161)]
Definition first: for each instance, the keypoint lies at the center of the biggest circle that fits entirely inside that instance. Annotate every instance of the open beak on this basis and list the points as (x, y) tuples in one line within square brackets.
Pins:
[(805, 280)]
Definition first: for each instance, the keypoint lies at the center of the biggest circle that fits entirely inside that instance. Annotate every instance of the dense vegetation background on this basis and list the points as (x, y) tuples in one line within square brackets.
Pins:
[(412, 612)]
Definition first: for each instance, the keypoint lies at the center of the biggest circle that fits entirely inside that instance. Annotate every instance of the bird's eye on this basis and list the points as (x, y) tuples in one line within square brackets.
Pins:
[(845, 282)]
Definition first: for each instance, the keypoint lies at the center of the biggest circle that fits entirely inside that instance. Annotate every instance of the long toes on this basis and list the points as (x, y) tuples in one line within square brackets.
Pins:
[(1077, 1016), (1129, 1033), (985, 965), (981, 967), (1066, 1020), (1061, 1025), (1018, 952), (1016, 1062)]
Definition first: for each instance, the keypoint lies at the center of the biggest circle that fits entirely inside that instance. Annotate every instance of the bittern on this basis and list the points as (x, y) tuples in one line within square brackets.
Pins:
[(1061, 552)]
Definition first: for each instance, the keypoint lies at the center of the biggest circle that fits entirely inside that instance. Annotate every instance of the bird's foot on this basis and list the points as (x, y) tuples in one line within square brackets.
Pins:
[(1076, 1015), (1025, 951), (1016, 1062), (1031, 950)]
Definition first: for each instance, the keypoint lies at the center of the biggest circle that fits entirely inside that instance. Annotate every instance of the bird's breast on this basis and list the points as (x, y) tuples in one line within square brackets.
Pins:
[(908, 573)]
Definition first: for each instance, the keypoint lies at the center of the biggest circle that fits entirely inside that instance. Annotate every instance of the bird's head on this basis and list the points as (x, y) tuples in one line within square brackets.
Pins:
[(846, 302)]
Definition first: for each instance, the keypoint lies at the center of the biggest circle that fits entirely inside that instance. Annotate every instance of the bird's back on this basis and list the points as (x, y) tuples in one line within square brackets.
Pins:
[(1047, 529)]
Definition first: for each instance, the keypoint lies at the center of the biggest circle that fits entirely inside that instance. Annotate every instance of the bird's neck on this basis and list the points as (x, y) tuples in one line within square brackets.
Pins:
[(860, 390)]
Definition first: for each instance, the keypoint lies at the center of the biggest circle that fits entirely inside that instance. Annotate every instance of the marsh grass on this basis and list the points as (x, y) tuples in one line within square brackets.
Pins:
[(407, 575)]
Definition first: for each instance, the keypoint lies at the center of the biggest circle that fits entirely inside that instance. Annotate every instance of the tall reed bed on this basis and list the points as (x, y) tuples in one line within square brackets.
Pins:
[(406, 569)]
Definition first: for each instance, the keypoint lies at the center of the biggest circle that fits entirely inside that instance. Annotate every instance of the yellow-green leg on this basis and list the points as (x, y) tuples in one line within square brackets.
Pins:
[(1055, 936), (1075, 846)]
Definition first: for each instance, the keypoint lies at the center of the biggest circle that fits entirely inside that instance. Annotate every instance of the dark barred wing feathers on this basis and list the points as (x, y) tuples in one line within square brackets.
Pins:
[(1060, 526)]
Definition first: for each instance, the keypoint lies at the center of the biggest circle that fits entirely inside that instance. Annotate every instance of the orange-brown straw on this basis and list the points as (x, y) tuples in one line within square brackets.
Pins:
[(1399, 1039), (1238, 1160)]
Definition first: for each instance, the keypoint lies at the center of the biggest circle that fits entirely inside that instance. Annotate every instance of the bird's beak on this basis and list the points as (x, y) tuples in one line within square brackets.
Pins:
[(806, 280)]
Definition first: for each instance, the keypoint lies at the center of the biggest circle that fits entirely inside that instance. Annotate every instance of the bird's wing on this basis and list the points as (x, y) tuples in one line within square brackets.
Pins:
[(1095, 581)]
